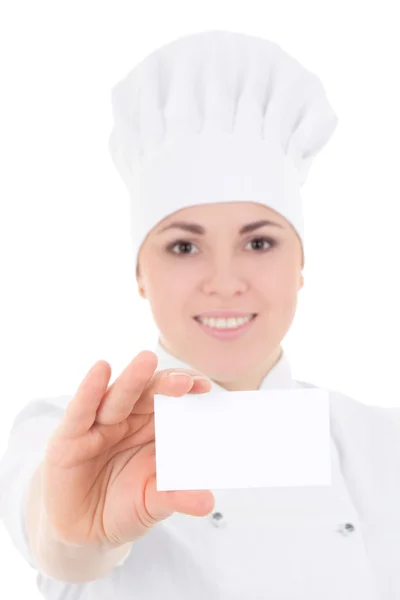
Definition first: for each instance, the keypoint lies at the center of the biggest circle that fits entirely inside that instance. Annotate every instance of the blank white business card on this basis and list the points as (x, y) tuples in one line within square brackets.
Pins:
[(243, 439)]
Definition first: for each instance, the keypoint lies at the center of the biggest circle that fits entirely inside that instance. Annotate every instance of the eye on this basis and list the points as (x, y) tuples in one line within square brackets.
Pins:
[(269, 241), (184, 245), (181, 244)]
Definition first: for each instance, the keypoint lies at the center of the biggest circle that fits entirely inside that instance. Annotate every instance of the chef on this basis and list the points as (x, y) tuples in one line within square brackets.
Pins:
[(213, 136)]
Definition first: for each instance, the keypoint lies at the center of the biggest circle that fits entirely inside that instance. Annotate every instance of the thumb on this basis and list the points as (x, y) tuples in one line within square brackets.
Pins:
[(161, 505)]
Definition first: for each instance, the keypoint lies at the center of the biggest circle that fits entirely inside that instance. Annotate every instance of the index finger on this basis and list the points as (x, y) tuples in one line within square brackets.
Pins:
[(177, 384), (92, 393)]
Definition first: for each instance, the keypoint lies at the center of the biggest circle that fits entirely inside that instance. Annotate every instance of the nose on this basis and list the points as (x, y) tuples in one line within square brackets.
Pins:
[(224, 280)]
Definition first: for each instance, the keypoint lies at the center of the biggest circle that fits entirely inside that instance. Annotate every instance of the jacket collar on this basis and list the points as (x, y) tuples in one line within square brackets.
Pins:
[(279, 377)]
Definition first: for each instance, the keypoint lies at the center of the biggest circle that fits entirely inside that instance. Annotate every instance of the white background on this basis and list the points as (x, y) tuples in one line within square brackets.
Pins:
[(68, 286)]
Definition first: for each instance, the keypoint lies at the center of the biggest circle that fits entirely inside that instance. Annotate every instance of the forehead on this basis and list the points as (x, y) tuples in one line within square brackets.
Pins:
[(231, 212)]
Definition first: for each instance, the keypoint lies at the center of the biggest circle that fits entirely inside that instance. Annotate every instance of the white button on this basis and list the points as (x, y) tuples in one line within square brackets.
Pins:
[(345, 528), (217, 519)]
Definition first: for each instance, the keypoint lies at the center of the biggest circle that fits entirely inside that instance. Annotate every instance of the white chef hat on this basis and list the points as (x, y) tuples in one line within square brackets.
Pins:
[(217, 116)]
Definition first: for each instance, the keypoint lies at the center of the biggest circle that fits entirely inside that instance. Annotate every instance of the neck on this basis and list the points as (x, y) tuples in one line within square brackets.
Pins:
[(251, 381)]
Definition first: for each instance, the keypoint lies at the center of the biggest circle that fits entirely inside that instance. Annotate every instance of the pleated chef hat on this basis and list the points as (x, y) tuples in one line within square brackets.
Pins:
[(213, 117)]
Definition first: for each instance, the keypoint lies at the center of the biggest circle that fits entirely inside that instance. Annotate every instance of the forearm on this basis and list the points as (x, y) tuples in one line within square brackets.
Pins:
[(65, 562)]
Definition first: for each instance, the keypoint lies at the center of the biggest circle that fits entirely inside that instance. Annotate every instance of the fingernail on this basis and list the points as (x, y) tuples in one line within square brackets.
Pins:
[(176, 373), (192, 376)]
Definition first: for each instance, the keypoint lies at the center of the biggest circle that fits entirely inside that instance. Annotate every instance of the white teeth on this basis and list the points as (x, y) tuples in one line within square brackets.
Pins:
[(231, 323)]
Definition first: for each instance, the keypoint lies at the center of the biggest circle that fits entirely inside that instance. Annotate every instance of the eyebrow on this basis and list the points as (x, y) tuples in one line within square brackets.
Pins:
[(195, 228)]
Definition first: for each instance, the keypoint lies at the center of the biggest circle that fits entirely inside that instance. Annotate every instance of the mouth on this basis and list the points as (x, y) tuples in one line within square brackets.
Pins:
[(226, 329)]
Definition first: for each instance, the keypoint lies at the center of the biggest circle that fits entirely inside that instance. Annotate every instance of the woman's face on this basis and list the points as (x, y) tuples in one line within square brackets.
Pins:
[(184, 274)]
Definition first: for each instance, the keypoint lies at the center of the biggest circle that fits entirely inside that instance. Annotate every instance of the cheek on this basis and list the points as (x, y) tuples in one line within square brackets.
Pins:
[(169, 293), (277, 283), (279, 290), (169, 279)]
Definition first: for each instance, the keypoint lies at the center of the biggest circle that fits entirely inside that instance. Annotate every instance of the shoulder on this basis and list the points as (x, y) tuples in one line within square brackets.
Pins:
[(42, 408), (375, 430), (385, 412)]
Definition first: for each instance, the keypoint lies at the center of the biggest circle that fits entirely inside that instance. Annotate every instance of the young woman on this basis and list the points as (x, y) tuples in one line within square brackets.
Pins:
[(213, 135)]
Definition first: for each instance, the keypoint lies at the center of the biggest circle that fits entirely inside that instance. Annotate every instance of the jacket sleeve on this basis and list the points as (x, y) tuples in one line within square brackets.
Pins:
[(30, 431)]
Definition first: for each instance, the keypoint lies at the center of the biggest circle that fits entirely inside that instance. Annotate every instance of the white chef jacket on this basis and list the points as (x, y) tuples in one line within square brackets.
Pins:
[(338, 542)]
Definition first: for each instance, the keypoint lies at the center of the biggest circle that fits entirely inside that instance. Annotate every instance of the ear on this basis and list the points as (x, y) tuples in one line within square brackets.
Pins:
[(141, 289), (140, 286)]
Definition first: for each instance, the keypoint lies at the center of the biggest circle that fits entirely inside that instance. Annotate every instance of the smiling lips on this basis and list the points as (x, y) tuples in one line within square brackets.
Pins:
[(231, 322), (226, 328), (225, 314)]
